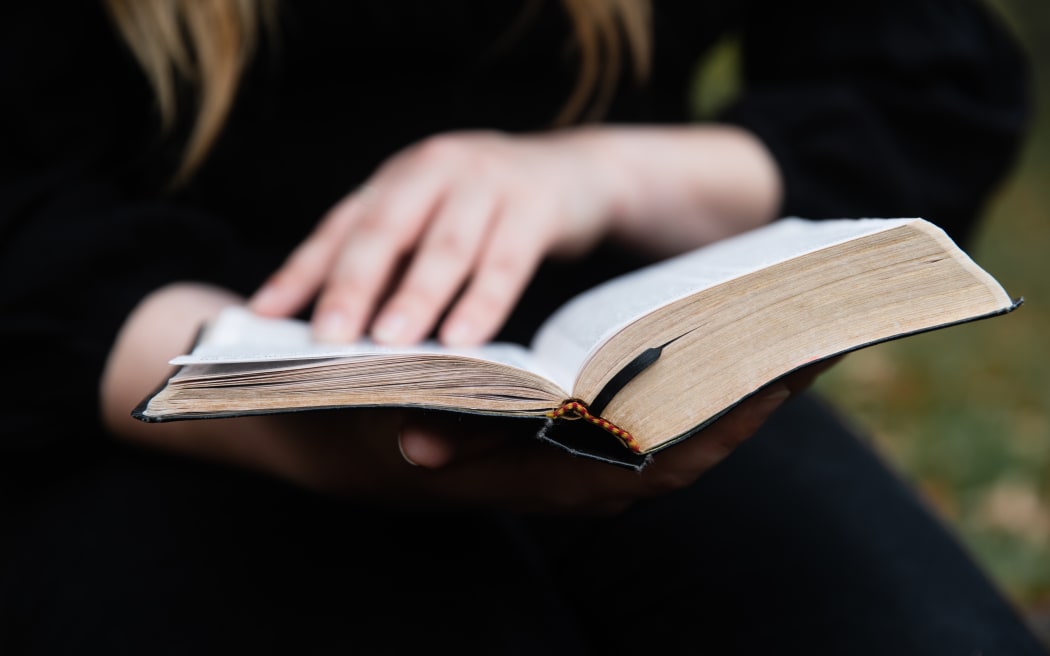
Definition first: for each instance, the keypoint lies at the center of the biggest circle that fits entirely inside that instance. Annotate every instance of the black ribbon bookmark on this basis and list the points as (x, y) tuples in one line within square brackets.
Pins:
[(636, 366), (624, 376)]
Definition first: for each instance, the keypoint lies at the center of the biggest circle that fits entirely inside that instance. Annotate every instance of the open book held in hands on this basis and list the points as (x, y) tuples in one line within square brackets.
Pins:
[(641, 361)]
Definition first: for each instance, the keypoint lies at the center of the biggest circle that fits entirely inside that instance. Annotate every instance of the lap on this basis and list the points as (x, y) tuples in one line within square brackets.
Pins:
[(800, 539), (153, 554)]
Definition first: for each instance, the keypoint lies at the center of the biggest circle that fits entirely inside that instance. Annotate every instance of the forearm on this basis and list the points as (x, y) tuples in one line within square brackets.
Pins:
[(679, 187), (476, 212), (160, 328)]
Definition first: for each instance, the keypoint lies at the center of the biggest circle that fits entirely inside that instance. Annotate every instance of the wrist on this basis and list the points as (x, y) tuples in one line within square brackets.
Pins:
[(674, 188)]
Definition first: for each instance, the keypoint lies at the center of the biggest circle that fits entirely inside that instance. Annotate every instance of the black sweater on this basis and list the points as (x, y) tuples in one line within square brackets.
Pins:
[(887, 108)]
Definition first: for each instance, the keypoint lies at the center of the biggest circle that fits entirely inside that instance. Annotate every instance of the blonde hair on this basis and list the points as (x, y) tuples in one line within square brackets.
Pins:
[(207, 43)]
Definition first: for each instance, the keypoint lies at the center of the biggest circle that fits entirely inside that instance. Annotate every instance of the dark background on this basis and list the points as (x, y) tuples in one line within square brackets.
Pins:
[(965, 413)]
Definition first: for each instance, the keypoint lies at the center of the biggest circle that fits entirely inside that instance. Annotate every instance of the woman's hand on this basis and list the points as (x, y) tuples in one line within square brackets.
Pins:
[(453, 228), (384, 456), (387, 457), (399, 456), (473, 213)]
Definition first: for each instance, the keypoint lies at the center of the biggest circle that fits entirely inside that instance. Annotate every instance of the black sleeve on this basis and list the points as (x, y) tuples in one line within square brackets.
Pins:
[(80, 245), (887, 108)]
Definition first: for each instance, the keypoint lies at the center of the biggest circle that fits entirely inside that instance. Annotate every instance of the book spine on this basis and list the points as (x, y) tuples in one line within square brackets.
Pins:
[(576, 409)]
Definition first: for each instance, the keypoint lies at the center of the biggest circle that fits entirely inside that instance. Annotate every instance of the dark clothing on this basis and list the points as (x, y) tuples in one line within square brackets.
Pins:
[(899, 108), (802, 542), (892, 108)]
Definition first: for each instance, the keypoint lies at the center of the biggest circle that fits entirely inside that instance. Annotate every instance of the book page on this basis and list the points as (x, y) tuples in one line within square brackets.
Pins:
[(240, 336), (568, 338)]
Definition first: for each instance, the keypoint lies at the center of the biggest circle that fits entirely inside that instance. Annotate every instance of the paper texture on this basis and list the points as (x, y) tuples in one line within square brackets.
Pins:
[(239, 336), (571, 335)]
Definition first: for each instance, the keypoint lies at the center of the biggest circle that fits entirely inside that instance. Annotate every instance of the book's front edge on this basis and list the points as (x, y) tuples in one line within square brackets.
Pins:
[(584, 439), (1015, 303), (140, 410), (579, 438)]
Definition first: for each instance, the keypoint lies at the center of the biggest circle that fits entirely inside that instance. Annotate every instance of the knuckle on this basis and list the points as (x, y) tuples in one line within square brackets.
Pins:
[(442, 148), (355, 275), (487, 297), (345, 294), (375, 226), (505, 268), (472, 152), (420, 293), (496, 286), (454, 245), (485, 166)]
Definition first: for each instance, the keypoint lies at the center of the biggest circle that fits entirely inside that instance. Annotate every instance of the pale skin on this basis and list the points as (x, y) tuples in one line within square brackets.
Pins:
[(475, 212)]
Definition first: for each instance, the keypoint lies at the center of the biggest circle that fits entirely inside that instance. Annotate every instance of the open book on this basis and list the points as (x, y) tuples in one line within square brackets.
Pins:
[(641, 361)]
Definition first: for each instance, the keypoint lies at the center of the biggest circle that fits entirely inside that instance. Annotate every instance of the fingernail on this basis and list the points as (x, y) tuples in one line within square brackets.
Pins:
[(429, 451), (401, 449), (332, 325), (390, 327), (458, 333), (773, 397)]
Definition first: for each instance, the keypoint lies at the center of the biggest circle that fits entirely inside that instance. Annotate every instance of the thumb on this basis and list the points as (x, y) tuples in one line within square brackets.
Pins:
[(439, 442)]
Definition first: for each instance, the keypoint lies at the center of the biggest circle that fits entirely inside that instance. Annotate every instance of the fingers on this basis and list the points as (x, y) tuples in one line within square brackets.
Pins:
[(371, 251), (716, 442), (473, 237), (680, 465), (292, 286), (472, 461), (524, 475), (434, 445), (506, 263), (453, 227), (442, 262), (479, 461)]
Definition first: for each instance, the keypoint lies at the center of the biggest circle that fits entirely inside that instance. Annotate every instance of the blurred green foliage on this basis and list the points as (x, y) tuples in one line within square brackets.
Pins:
[(964, 413)]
